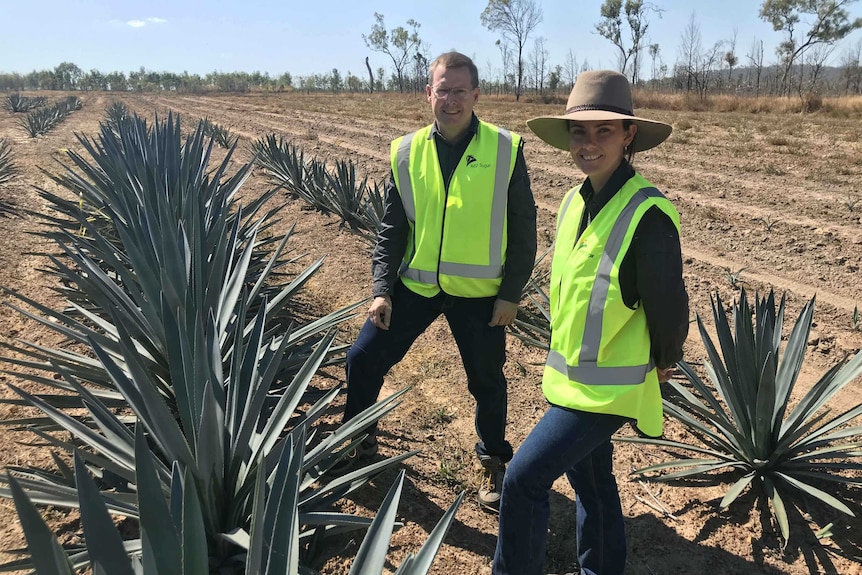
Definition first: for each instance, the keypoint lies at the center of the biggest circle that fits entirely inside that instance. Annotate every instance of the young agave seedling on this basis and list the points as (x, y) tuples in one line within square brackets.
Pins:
[(734, 277), (769, 222)]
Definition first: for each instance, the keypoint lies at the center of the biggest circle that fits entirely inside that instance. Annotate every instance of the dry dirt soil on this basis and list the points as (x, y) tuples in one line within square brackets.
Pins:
[(775, 200)]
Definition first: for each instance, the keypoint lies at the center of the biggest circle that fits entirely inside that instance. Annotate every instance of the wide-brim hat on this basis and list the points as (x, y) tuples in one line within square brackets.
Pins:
[(600, 95)]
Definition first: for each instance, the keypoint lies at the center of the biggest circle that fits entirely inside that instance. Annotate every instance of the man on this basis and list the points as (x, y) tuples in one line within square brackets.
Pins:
[(458, 238)]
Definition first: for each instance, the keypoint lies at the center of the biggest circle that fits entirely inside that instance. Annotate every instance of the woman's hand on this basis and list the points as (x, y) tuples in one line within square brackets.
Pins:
[(665, 374)]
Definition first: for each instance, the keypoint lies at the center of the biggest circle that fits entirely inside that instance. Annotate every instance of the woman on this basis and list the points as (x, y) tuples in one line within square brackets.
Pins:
[(619, 317)]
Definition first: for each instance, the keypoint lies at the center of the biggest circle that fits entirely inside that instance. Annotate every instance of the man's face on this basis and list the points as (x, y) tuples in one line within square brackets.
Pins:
[(452, 98)]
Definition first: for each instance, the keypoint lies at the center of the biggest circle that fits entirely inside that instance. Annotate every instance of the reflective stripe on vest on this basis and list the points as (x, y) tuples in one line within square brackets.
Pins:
[(588, 372), (498, 213)]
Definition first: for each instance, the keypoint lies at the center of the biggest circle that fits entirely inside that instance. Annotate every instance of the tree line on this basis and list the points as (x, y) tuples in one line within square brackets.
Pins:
[(811, 31)]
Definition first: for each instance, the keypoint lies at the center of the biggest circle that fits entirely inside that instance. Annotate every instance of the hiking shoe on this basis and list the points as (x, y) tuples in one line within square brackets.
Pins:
[(493, 471), (352, 459)]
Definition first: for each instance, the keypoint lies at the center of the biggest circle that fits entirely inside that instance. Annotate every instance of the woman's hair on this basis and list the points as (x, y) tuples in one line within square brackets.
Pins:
[(628, 152)]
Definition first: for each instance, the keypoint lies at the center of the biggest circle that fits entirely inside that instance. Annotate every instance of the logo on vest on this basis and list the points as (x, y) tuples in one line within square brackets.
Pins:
[(472, 162)]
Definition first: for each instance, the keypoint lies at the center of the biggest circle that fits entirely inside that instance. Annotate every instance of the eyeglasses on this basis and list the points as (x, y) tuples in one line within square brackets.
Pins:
[(457, 93)]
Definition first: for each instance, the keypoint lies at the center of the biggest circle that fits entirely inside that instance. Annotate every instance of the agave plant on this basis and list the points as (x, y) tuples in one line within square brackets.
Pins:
[(745, 422), (172, 530), (358, 202), (111, 261), (371, 212), (116, 113), (43, 120), (229, 438), (220, 134), (15, 102), (8, 170), (185, 340), (532, 324), (40, 121), (286, 167)]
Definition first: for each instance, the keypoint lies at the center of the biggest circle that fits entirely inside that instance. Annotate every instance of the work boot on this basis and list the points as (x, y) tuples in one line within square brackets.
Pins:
[(353, 458), (493, 471)]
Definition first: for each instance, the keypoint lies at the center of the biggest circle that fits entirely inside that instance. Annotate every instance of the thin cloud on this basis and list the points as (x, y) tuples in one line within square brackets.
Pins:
[(142, 23)]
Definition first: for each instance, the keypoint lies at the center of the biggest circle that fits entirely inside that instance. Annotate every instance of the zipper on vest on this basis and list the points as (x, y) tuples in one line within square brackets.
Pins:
[(443, 220), (446, 181)]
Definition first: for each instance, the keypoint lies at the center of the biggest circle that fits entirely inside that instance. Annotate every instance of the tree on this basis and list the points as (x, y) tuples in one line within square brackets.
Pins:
[(571, 69), (829, 22), (515, 20), (755, 58), (370, 76), (117, 81), (353, 83), (730, 57), (506, 55), (851, 69), (399, 44), (67, 75), (695, 63), (611, 27), (335, 81), (654, 51), (538, 59), (421, 61), (554, 78), (285, 80), (93, 80)]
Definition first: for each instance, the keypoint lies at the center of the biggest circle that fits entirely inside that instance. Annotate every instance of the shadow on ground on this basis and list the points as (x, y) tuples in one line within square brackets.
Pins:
[(7, 210), (651, 535)]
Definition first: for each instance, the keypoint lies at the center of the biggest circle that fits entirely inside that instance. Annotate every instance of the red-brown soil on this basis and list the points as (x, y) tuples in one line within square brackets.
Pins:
[(772, 195)]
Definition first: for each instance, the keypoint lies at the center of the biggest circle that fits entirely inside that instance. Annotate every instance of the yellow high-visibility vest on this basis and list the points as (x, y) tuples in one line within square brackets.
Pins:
[(457, 237), (600, 358)]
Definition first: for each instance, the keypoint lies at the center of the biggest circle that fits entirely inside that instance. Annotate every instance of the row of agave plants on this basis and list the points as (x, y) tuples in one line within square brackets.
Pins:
[(220, 134), (183, 394), (743, 420), (8, 169), (44, 119), (15, 102), (358, 203), (117, 112)]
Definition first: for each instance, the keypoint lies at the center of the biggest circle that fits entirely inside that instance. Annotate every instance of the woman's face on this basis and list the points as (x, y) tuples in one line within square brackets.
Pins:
[(598, 146)]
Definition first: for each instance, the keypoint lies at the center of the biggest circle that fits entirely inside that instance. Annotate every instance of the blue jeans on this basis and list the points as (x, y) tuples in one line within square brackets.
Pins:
[(578, 444), (483, 351)]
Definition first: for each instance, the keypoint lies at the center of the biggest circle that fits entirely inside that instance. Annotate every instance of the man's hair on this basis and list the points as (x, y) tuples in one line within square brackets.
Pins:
[(455, 60)]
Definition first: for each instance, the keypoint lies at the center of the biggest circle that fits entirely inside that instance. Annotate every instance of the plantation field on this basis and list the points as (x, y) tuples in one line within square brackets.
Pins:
[(767, 201)]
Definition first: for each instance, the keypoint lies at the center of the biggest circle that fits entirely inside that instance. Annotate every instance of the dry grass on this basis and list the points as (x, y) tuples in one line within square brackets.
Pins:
[(843, 106)]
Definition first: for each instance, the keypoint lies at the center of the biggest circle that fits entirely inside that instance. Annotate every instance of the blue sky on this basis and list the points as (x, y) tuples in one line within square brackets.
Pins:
[(302, 37)]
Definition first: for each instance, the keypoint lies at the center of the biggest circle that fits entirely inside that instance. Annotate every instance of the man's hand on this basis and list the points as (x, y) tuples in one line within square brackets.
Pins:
[(380, 312), (665, 375), (504, 312)]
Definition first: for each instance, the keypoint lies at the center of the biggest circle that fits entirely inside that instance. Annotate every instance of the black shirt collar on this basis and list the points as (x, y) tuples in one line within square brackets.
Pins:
[(596, 202), (472, 129)]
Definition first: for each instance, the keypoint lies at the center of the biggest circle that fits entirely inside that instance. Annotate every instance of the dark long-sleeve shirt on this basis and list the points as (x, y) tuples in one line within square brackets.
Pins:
[(521, 223), (651, 270)]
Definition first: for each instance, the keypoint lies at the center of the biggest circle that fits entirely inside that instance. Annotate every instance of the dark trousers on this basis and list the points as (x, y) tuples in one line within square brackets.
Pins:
[(483, 351), (577, 444)]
